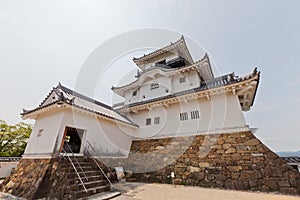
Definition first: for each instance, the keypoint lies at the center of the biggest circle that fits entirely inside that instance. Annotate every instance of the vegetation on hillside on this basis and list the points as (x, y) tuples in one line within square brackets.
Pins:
[(13, 138)]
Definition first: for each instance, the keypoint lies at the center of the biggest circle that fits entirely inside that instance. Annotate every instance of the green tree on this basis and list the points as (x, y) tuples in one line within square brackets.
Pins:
[(13, 138)]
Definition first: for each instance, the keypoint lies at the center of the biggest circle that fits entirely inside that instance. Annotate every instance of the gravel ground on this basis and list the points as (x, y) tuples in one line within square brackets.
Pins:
[(140, 191)]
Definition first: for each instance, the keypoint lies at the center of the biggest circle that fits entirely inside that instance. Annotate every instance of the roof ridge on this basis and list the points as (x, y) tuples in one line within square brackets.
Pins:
[(64, 88), (181, 39), (77, 94), (47, 96)]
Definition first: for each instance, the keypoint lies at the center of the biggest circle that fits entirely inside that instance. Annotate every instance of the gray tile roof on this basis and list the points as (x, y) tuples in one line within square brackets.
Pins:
[(293, 159), (61, 93)]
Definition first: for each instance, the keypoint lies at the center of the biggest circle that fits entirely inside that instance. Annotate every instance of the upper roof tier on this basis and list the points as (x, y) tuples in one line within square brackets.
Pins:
[(178, 48), (202, 66)]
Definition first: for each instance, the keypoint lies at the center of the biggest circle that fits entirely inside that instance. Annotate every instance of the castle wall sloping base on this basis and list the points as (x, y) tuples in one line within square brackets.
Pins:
[(55, 178), (27, 177), (236, 161)]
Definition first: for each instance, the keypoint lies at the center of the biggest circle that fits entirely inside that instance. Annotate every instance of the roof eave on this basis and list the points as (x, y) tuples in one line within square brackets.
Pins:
[(255, 92), (141, 60), (32, 114)]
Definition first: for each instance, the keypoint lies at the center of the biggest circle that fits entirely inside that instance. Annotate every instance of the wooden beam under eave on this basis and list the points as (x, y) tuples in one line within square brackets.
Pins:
[(244, 89), (207, 96), (134, 110), (233, 91), (245, 100)]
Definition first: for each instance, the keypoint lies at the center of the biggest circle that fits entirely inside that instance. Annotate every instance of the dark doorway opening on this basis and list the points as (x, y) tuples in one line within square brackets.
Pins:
[(72, 140)]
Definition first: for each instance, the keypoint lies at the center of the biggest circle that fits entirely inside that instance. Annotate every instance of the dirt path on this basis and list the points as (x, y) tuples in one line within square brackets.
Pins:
[(140, 191)]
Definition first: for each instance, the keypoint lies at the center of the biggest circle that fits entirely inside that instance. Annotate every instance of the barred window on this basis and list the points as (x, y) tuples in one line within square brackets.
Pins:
[(148, 121), (156, 120), (195, 114), (183, 116), (182, 79), (154, 86)]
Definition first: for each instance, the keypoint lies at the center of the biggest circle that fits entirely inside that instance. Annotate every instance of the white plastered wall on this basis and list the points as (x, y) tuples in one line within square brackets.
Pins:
[(192, 81), (221, 111), (167, 85), (43, 136), (105, 136)]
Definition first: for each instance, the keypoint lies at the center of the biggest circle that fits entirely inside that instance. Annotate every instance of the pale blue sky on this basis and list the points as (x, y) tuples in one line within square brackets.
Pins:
[(44, 42)]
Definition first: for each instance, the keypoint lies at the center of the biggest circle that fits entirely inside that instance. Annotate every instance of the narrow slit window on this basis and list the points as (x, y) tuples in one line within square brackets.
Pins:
[(183, 116), (156, 120), (195, 114), (134, 93), (182, 79), (148, 121)]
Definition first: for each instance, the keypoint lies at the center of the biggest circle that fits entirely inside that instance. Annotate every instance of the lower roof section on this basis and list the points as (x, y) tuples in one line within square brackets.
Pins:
[(61, 97)]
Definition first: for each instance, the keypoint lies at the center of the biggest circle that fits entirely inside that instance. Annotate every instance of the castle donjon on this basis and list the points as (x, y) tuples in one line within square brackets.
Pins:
[(176, 118)]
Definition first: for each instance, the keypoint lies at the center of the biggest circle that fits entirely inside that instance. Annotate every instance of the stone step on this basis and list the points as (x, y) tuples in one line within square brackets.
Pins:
[(66, 159), (104, 195), (83, 174), (70, 168), (88, 185), (66, 163), (91, 176), (91, 191), (89, 179), (81, 159)]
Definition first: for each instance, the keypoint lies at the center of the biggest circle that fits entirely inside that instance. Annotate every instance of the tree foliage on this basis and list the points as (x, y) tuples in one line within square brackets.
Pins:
[(13, 138)]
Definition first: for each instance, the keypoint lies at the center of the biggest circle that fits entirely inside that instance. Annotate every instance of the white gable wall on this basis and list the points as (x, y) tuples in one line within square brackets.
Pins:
[(52, 97)]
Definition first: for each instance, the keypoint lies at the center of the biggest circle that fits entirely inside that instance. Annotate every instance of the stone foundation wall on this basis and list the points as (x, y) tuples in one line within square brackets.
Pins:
[(26, 178), (55, 184), (45, 178), (38, 178), (236, 161)]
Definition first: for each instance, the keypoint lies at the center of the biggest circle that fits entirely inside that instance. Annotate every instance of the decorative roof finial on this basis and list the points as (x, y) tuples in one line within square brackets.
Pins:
[(24, 111), (59, 85)]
